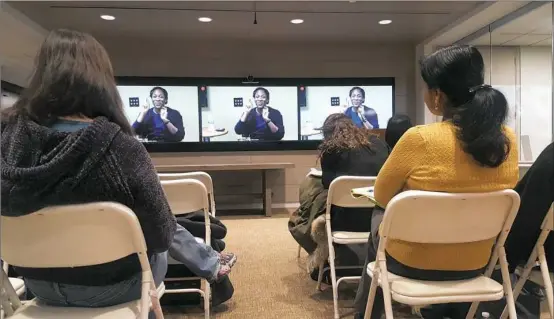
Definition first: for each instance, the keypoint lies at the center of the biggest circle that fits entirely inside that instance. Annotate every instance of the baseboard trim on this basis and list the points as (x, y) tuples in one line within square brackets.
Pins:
[(288, 206)]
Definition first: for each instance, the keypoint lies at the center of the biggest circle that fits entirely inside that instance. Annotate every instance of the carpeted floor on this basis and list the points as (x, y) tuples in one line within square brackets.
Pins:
[(269, 281)]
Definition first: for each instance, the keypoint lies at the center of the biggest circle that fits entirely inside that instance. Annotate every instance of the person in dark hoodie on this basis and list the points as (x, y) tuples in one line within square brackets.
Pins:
[(67, 141), (536, 191)]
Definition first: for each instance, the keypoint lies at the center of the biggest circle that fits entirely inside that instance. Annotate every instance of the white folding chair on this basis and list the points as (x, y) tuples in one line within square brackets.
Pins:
[(9, 296), (75, 236), (340, 194), (442, 218), (538, 256), (185, 196), (203, 177)]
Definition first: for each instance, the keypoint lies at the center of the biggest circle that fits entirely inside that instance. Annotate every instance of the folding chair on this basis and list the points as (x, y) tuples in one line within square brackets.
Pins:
[(75, 236), (185, 196), (203, 177), (538, 256), (340, 194), (442, 218), (8, 295)]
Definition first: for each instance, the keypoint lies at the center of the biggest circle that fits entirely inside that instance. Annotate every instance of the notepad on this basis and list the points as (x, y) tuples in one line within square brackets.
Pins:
[(315, 172), (366, 192)]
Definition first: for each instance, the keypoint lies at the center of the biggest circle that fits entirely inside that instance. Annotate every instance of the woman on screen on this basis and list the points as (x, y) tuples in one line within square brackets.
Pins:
[(158, 122), (261, 122), (361, 115)]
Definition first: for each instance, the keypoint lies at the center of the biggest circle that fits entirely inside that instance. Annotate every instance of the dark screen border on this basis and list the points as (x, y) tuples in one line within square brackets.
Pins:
[(244, 146)]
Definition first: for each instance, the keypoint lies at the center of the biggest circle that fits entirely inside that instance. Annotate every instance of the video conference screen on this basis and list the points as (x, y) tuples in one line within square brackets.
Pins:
[(248, 112)]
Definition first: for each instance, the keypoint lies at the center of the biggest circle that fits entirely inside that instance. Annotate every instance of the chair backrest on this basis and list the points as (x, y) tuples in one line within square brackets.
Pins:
[(186, 195), (340, 191), (431, 217), (203, 177), (73, 236)]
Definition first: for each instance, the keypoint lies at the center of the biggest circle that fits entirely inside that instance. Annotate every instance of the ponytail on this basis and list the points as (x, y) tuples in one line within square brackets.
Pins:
[(480, 126)]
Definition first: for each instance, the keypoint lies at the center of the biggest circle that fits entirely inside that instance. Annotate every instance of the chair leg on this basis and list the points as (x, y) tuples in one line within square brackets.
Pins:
[(372, 292), (386, 289), (320, 277), (207, 299), (507, 284), (299, 251), (335, 286), (546, 280)]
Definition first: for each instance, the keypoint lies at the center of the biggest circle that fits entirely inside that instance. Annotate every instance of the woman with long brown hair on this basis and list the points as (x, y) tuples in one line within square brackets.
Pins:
[(67, 141), (349, 150)]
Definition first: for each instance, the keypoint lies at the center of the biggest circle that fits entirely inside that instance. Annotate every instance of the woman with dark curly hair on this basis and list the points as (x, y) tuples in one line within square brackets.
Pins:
[(349, 150)]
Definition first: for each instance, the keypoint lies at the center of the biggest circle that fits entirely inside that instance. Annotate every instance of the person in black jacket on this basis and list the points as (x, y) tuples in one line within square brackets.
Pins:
[(67, 141), (349, 150), (396, 127), (536, 191)]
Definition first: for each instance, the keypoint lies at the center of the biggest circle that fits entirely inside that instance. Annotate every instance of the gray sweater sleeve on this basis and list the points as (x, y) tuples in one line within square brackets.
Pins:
[(149, 201)]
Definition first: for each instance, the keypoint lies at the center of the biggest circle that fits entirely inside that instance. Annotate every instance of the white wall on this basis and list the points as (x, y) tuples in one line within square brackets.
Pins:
[(524, 75), (200, 58)]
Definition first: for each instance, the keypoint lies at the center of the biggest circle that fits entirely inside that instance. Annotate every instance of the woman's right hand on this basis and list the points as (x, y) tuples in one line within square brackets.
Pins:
[(145, 107), (249, 106)]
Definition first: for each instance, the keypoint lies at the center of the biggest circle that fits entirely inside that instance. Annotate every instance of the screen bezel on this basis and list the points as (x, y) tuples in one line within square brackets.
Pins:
[(244, 146)]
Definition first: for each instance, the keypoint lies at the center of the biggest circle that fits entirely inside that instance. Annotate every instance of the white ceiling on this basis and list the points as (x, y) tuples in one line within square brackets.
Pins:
[(531, 29), (413, 21)]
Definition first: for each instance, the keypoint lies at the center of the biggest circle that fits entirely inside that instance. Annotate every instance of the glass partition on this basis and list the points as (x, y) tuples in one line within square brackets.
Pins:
[(517, 50)]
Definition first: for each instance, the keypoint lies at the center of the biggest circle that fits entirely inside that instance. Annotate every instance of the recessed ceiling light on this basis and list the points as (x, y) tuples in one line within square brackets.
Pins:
[(385, 22), (205, 19), (107, 17), (296, 21)]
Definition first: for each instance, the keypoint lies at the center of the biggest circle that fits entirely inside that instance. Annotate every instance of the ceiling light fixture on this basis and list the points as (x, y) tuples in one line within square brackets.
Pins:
[(296, 21), (205, 19), (385, 22), (107, 17)]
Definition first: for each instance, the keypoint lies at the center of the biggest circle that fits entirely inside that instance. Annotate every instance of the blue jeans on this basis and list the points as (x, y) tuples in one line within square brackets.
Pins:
[(199, 258)]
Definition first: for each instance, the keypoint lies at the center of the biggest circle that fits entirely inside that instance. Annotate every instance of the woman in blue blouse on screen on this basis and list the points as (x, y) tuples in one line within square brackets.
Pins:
[(261, 122), (157, 122), (361, 115)]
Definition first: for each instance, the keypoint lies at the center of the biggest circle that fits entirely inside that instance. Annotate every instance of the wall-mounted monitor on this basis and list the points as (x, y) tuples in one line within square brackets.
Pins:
[(227, 114)]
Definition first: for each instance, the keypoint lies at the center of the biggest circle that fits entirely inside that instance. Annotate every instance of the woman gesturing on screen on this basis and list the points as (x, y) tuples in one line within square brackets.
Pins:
[(261, 122), (159, 123), (361, 115)]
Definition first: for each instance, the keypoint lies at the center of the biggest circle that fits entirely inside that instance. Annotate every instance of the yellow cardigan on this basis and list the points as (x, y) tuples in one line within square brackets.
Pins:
[(430, 158)]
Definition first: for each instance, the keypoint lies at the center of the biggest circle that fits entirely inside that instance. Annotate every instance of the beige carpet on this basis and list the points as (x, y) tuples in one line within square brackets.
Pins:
[(269, 281)]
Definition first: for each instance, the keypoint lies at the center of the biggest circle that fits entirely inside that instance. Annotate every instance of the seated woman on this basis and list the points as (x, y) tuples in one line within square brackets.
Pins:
[(261, 122), (158, 122), (67, 141), (470, 151), (346, 150), (396, 127), (361, 115)]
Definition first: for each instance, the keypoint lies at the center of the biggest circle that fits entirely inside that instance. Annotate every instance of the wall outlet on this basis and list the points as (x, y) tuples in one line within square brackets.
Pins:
[(134, 102), (238, 102), (335, 101)]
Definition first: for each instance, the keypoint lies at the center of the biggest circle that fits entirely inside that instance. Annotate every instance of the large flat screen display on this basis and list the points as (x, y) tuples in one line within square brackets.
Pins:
[(200, 114), (235, 113), (367, 106), (162, 113)]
